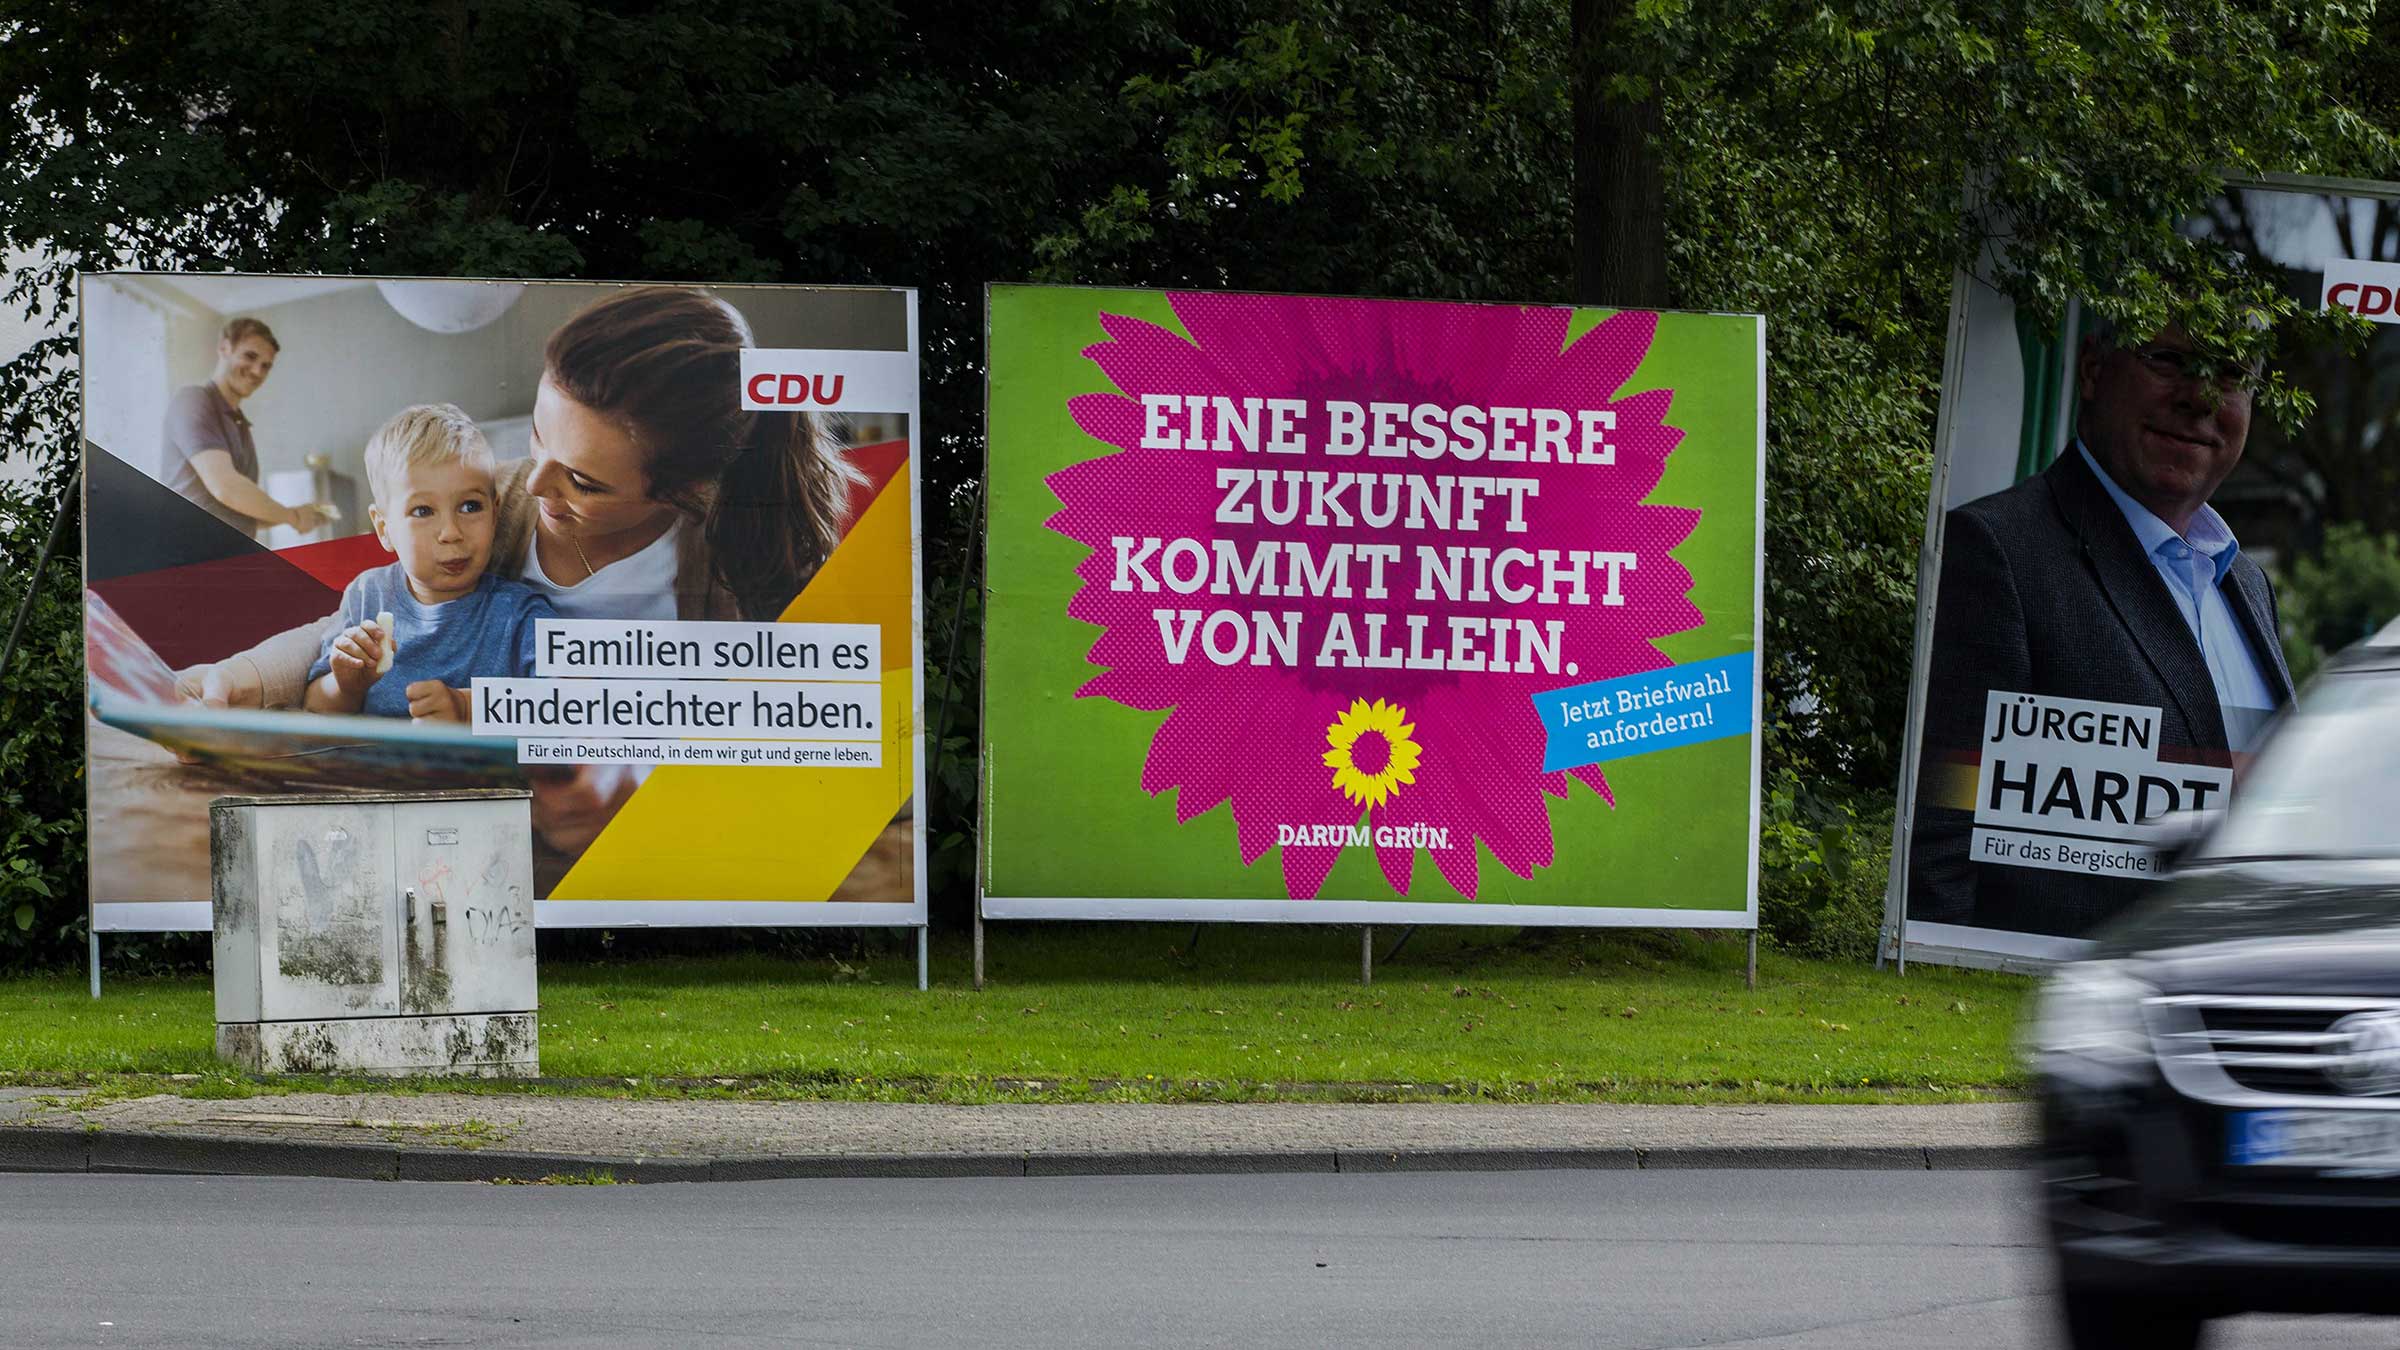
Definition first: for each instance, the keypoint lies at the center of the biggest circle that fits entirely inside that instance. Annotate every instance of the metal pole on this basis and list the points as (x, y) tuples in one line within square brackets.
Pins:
[(941, 736), (1192, 948), (1750, 980), (95, 959), (33, 583), (1405, 935), (924, 963), (1366, 954)]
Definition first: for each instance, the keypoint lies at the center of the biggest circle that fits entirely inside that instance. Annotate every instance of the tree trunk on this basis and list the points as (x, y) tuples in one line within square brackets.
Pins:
[(1620, 194)]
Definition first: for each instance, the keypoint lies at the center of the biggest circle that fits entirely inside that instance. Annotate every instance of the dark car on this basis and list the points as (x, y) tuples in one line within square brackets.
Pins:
[(2220, 1081)]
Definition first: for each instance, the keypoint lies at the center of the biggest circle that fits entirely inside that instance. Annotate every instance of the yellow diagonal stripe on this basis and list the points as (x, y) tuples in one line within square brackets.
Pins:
[(698, 833), (1947, 784)]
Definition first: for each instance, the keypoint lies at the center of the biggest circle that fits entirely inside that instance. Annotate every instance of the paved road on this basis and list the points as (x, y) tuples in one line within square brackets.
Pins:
[(1857, 1260)]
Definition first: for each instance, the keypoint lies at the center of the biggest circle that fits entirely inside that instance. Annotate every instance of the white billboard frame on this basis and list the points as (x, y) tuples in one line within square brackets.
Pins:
[(1957, 944), (185, 295), (1338, 911)]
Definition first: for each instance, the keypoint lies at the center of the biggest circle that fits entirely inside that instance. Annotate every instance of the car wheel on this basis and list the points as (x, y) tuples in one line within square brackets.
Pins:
[(2107, 1320)]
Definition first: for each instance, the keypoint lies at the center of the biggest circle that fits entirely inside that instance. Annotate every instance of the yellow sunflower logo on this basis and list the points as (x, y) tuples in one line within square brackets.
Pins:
[(1370, 752)]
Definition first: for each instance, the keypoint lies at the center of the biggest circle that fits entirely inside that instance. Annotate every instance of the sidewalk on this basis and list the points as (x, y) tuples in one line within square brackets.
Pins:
[(437, 1137)]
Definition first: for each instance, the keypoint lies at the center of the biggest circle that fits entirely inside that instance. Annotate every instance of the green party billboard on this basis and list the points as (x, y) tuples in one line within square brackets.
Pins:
[(1329, 610)]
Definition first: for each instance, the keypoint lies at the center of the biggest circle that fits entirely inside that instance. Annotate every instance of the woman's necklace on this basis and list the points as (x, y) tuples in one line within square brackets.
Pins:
[(589, 571)]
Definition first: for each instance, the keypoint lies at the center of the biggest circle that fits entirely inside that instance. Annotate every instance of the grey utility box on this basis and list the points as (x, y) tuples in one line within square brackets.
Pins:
[(384, 934)]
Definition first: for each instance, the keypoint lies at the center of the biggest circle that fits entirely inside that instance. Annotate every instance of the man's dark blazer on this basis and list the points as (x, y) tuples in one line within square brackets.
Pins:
[(2045, 589)]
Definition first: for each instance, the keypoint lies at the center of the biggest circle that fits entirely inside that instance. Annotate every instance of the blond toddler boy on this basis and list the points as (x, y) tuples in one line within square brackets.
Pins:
[(414, 634)]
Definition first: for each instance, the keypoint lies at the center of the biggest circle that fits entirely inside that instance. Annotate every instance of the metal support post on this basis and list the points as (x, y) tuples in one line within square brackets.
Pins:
[(95, 960), (941, 735), (979, 945), (1750, 979), (1405, 935), (924, 961), (1366, 954), (1192, 948)]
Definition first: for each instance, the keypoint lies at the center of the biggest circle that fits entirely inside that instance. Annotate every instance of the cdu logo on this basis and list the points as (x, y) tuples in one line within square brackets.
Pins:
[(788, 379)]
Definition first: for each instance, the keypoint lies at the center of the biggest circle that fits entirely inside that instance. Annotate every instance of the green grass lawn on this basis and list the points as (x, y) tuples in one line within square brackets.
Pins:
[(1130, 1012)]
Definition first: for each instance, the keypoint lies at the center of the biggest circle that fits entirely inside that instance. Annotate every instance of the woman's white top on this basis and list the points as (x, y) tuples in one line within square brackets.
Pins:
[(638, 587)]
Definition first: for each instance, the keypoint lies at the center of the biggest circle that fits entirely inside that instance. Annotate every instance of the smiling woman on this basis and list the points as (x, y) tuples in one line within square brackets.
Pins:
[(651, 494), (635, 436)]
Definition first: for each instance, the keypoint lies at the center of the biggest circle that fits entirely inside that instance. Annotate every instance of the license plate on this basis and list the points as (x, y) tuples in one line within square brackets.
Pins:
[(2330, 1141)]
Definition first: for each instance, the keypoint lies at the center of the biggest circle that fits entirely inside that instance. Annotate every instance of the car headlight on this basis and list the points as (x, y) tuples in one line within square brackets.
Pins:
[(2087, 1022)]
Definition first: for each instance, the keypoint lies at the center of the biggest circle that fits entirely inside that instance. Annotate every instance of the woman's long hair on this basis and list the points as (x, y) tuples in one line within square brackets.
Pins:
[(769, 491)]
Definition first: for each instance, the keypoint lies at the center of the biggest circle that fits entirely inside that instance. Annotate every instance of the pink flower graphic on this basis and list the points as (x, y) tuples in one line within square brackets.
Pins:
[(1256, 733)]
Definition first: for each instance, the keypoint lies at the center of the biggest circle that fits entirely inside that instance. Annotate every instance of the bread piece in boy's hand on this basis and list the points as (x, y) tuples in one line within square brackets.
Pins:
[(358, 656), (391, 642)]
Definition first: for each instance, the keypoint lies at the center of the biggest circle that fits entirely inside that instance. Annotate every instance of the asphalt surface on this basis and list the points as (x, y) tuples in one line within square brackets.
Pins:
[(1652, 1259), (465, 1136)]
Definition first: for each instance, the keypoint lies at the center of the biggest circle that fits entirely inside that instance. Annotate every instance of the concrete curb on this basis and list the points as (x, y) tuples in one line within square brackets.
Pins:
[(45, 1149)]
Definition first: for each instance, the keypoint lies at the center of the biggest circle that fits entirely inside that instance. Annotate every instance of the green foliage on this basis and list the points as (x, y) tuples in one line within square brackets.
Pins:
[(1822, 865), (1853, 365), (41, 749), (954, 713), (2080, 135), (41, 691), (1834, 166), (1830, 163), (1380, 149), (2346, 591)]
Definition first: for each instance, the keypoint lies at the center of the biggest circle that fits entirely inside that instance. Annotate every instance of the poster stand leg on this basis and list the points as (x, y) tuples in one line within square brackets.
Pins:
[(1366, 954), (1405, 935), (1192, 948), (95, 961), (924, 954), (1750, 977), (941, 735)]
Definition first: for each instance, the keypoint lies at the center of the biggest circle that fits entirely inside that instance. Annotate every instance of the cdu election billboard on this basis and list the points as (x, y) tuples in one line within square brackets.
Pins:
[(647, 551)]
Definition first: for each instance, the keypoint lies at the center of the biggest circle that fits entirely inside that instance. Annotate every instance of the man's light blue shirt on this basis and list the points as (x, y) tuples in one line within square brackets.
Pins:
[(2194, 565)]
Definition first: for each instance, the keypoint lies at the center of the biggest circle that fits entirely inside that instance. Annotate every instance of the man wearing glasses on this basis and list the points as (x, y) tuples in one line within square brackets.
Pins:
[(2108, 578)]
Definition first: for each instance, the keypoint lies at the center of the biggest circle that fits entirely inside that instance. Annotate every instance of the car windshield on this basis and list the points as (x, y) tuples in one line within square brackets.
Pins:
[(2326, 783)]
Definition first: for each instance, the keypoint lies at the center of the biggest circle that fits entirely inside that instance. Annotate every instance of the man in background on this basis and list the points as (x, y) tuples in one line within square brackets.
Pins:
[(209, 455)]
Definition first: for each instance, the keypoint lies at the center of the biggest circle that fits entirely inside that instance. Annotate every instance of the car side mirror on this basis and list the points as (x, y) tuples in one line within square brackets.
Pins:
[(2177, 835)]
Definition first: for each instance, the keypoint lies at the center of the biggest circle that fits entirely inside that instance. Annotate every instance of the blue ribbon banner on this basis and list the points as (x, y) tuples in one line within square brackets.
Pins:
[(1655, 710)]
